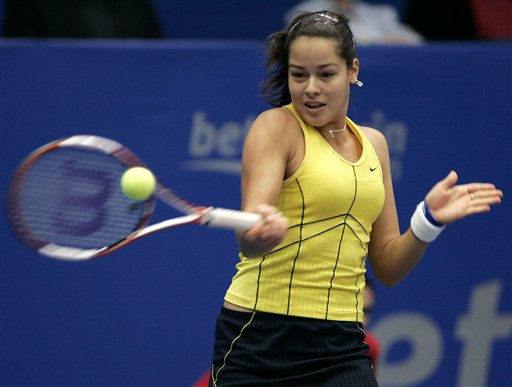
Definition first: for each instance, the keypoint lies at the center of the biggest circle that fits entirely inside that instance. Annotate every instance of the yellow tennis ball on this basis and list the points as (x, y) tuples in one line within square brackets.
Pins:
[(138, 183)]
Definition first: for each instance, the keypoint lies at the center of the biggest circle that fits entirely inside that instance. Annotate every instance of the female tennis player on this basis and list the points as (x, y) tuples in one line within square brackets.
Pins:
[(293, 314)]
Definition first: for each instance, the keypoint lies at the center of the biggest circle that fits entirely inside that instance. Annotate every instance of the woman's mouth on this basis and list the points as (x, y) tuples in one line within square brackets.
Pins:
[(314, 106)]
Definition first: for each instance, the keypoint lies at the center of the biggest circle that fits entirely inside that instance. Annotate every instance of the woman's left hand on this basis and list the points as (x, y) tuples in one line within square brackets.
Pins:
[(449, 202)]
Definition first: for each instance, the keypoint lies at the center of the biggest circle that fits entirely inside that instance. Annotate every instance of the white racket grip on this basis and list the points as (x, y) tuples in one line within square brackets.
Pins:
[(224, 218)]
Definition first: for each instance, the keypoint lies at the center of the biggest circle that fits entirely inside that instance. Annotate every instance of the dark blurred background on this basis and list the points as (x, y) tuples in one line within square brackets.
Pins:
[(228, 19)]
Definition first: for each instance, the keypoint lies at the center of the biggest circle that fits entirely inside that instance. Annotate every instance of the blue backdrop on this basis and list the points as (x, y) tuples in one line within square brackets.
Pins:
[(145, 314)]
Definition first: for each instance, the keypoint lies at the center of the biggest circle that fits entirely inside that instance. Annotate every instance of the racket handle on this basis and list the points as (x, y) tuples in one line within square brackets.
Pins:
[(224, 218)]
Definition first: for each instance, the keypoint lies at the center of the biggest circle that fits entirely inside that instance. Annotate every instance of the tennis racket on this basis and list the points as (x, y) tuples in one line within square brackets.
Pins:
[(65, 201)]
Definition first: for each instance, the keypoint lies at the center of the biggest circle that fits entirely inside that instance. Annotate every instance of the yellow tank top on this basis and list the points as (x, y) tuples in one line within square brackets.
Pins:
[(318, 270)]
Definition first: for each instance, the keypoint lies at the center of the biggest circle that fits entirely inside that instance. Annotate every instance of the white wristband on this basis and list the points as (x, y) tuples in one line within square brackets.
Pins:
[(422, 228)]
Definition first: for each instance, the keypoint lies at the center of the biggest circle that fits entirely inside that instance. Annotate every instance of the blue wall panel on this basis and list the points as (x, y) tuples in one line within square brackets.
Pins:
[(145, 314)]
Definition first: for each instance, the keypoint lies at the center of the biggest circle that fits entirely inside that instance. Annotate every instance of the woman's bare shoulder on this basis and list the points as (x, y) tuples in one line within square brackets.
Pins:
[(376, 137)]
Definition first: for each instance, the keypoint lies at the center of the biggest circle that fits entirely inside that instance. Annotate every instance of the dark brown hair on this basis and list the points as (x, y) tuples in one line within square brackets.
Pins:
[(324, 24)]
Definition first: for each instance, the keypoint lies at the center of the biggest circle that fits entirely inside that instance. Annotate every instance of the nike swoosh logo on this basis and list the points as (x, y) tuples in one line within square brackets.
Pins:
[(372, 169)]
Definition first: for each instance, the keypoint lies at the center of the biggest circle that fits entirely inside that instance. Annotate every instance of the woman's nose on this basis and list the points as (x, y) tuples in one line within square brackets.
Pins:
[(312, 87)]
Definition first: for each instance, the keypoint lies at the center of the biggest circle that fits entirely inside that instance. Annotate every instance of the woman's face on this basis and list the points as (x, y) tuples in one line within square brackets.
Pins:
[(319, 81)]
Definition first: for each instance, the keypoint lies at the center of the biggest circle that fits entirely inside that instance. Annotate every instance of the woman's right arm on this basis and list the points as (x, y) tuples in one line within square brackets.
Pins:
[(267, 151)]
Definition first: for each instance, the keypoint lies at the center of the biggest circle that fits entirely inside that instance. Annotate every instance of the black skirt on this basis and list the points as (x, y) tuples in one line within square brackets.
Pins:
[(264, 349)]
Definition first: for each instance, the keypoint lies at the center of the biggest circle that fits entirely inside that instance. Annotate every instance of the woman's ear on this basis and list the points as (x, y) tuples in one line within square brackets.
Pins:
[(354, 72)]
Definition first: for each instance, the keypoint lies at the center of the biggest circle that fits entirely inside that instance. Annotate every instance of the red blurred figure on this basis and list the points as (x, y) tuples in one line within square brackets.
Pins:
[(371, 340)]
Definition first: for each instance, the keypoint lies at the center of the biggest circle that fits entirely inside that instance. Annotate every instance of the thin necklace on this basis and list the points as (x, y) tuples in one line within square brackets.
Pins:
[(333, 132)]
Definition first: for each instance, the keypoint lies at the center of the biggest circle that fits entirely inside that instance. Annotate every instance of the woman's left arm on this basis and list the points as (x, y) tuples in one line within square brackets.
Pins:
[(392, 254)]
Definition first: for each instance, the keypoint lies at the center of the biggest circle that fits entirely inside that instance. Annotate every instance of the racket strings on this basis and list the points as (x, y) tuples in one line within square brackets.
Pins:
[(71, 196)]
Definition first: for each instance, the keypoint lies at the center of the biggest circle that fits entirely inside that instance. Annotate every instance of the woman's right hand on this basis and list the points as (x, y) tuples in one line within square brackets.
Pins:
[(266, 234)]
